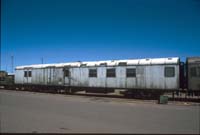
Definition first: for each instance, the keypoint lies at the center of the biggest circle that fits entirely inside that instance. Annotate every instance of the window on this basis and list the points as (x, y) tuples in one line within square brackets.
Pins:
[(122, 64), (66, 72), (110, 72), (29, 73), (2, 78), (193, 72), (169, 71), (92, 72), (130, 72), (25, 74)]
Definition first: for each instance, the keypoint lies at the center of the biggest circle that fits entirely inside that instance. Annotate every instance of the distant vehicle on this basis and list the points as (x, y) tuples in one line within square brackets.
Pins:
[(6, 79), (145, 77)]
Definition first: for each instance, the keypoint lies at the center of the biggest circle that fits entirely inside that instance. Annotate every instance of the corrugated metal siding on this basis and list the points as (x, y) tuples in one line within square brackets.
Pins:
[(121, 77), (147, 77), (140, 77), (101, 77), (19, 76)]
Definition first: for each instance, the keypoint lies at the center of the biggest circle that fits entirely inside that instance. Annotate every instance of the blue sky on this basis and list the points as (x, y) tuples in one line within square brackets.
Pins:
[(87, 30)]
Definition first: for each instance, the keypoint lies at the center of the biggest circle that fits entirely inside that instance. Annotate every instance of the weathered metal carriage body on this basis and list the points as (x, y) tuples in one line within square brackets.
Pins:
[(193, 73), (160, 73)]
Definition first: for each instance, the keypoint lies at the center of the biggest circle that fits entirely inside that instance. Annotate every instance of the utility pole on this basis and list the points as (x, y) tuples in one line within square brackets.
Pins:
[(12, 63), (42, 60)]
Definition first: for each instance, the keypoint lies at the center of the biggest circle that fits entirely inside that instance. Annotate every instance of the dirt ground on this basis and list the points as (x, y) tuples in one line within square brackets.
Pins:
[(29, 112)]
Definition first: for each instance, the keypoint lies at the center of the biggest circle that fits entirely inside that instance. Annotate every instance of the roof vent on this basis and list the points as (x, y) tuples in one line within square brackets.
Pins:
[(83, 65), (103, 64), (122, 64)]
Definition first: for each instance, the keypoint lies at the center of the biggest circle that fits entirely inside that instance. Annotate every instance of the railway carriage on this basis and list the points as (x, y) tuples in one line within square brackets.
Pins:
[(161, 74), (193, 73)]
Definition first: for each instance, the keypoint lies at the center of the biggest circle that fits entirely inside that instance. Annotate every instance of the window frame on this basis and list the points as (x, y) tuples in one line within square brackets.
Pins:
[(66, 73), (195, 71), (92, 73), (109, 74), (29, 73), (167, 74), (25, 73), (131, 75)]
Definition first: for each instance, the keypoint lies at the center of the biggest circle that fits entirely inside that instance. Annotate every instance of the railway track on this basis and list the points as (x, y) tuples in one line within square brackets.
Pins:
[(183, 97)]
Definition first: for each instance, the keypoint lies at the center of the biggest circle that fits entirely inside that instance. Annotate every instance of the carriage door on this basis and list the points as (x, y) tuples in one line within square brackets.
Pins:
[(66, 73), (27, 75), (50, 75), (140, 80)]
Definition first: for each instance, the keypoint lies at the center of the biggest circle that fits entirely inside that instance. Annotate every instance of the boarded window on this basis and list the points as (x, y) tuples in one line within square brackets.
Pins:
[(66, 72), (169, 71), (122, 64), (130, 72), (92, 72), (25, 73), (110, 72), (29, 74), (193, 72)]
